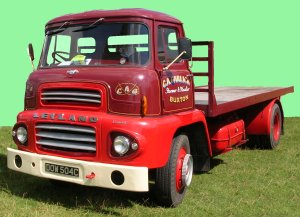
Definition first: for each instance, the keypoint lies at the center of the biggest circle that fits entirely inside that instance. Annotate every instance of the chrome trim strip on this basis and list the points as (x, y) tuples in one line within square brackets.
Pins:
[(70, 99), (65, 128), (73, 93), (72, 137), (66, 136), (68, 145)]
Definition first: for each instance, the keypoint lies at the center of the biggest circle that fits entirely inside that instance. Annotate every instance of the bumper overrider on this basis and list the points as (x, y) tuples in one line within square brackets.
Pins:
[(80, 172)]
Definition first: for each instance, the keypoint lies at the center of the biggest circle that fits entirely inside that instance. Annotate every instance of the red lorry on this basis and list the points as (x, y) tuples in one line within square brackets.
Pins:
[(113, 104)]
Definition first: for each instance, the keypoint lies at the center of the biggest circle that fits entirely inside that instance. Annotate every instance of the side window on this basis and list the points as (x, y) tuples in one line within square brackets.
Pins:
[(86, 45), (167, 44), (60, 46)]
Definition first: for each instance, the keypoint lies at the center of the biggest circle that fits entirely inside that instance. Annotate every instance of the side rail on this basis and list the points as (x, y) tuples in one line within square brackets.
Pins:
[(212, 104)]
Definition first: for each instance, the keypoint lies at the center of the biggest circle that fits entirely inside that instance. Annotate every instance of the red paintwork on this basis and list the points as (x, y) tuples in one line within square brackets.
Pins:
[(107, 79), (258, 120), (145, 131), (179, 165), (224, 135), (178, 69), (153, 131), (90, 16)]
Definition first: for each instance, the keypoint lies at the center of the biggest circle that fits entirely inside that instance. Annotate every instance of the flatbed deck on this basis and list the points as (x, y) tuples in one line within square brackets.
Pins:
[(228, 99), (215, 101)]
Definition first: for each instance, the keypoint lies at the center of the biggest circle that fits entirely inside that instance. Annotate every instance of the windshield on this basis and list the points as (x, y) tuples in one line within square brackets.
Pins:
[(104, 44)]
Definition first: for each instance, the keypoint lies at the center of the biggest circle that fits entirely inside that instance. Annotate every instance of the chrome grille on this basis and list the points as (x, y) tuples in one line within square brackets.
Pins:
[(66, 137), (71, 96)]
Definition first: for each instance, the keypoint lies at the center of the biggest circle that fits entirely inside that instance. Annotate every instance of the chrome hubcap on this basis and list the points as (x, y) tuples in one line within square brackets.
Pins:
[(187, 170)]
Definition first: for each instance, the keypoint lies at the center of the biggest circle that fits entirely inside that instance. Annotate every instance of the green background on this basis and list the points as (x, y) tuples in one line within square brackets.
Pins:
[(256, 42)]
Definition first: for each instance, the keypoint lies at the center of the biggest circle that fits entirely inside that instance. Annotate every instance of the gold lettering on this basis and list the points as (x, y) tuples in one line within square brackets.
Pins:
[(178, 99)]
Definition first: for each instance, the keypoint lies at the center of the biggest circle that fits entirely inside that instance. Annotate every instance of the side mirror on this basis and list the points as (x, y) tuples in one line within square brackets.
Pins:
[(30, 52), (185, 44)]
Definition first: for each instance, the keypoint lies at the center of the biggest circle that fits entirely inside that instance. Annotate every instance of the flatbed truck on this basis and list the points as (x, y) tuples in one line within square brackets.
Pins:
[(113, 104)]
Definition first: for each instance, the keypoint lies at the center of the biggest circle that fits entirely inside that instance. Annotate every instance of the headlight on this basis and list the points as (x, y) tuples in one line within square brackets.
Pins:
[(21, 135), (121, 145)]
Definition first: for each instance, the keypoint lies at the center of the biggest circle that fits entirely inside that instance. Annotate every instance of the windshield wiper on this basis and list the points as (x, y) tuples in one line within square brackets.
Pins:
[(60, 29), (91, 26)]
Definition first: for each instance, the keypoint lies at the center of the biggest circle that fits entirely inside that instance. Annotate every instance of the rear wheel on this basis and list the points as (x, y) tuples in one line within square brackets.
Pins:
[(173, 179), (270, 141)]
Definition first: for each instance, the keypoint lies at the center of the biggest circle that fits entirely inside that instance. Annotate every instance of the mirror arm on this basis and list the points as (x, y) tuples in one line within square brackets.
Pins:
[(33, 68), (171, 63)]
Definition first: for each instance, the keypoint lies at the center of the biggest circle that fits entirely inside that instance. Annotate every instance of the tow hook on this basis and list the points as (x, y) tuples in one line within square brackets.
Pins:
[(90, 176)]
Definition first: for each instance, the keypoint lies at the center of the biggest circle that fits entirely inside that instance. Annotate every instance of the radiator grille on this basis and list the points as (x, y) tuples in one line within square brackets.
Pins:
[(66, 137), (71, 96)]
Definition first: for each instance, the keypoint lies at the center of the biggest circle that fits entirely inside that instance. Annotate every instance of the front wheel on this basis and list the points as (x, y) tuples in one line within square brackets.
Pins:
[(173, 179)]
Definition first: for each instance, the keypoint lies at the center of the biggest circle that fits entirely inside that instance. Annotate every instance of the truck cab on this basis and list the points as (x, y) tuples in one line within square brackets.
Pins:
[(113, 104), (125, 51)]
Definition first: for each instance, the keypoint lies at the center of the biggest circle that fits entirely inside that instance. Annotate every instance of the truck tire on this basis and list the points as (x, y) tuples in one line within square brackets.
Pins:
[(172, 180), (270, 141)]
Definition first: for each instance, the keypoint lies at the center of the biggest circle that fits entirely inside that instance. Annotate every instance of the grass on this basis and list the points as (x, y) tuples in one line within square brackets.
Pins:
[(242, 183)]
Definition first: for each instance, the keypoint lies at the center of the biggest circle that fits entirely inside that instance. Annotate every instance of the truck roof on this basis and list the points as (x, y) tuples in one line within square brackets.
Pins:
[(128, 12)]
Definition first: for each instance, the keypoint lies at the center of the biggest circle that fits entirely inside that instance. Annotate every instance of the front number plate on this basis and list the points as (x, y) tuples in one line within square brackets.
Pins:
[(63, 170)]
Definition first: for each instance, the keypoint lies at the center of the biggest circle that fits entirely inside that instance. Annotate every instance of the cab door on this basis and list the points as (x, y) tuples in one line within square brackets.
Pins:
[(176, 82)]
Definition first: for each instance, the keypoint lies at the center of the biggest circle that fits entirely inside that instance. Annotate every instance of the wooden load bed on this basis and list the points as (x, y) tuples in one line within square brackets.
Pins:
[(229, 99), (217, 101)]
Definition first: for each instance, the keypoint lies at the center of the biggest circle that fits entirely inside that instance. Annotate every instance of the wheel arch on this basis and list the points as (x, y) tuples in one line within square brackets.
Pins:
[(201, 151), (257, 120)]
